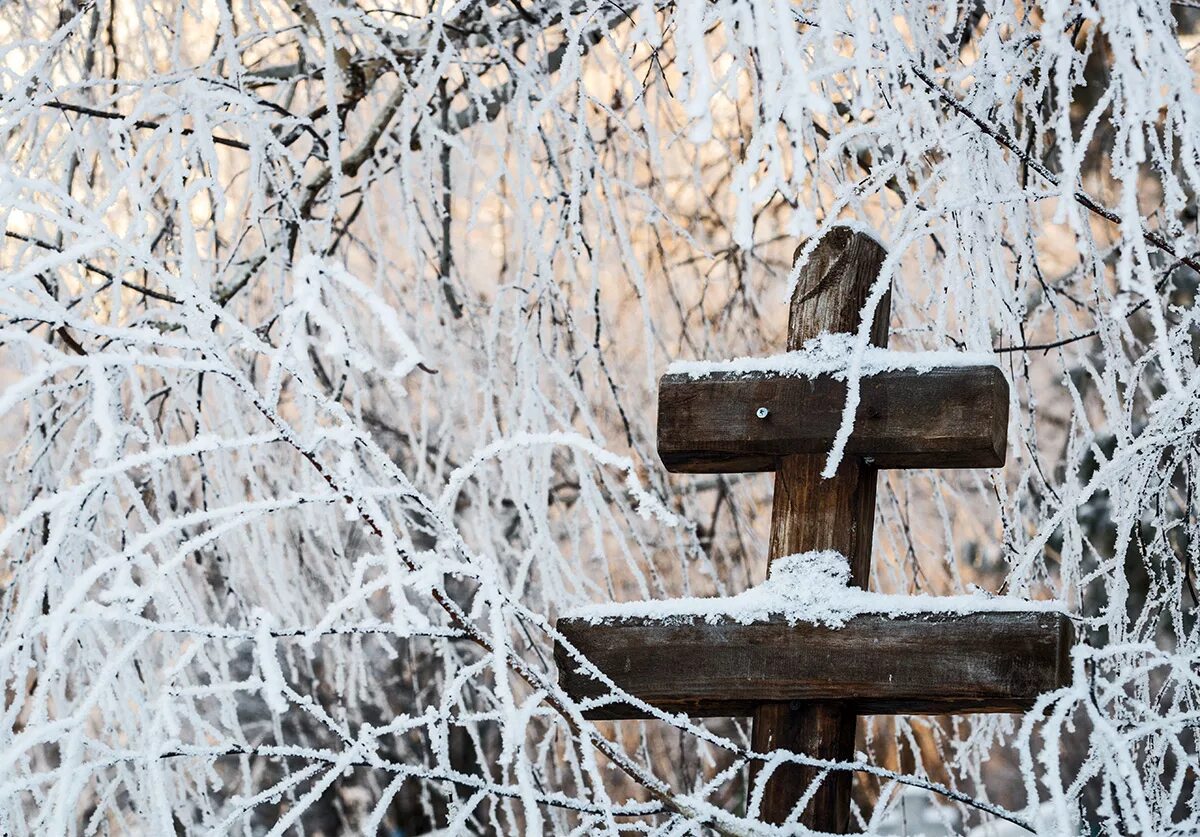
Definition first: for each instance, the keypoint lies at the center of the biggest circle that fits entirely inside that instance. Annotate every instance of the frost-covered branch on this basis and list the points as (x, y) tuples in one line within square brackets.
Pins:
[(329, 344)]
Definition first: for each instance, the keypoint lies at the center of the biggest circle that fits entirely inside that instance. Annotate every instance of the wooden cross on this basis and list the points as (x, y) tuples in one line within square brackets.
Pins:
[(805, 684)]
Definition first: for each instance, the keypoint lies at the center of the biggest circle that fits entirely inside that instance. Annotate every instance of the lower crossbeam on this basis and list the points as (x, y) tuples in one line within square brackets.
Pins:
[(875, 663)]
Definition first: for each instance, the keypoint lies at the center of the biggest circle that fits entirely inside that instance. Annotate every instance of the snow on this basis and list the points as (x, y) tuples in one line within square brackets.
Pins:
[(808, 587), (917, 813), (1045, 819), (321, 394), (831, 354), (273, 684)]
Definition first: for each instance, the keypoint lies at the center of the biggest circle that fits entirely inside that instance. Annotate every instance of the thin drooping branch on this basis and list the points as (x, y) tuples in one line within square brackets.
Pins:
[(260, 572), (145, 124), (1001, 137)]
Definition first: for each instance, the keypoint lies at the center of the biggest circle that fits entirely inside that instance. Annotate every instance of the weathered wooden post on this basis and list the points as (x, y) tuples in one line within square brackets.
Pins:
[(805, 683), (811, 513)]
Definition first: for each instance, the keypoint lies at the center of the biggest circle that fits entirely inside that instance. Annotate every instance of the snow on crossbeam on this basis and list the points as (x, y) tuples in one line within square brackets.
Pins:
[(812, 587), (836, 355), (733, 422), (806, 634)]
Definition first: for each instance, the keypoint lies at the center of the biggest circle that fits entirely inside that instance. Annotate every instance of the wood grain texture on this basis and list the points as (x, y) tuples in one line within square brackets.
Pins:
[(795, 727), (950, 417), (983, 662), (803, 684), (810, 512)]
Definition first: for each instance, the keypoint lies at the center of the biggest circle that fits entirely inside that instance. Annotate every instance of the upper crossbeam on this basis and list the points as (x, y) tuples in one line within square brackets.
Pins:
[(946, 417)]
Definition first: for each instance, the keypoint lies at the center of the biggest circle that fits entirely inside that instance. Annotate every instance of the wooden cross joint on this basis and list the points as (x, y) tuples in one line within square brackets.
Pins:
[(805, 683)]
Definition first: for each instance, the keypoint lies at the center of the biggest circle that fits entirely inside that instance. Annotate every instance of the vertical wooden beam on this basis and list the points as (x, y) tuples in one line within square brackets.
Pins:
[(812, 513)]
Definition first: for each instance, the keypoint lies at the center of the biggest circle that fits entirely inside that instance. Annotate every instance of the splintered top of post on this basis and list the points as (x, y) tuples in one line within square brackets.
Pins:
[(942, 417), (834, 286)]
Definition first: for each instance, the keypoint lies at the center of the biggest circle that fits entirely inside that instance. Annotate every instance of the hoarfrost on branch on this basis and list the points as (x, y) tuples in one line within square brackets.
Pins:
[(329, 335)]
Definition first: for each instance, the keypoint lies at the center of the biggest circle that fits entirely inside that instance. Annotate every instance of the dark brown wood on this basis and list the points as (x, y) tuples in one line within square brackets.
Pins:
[(949, 417), (818, 730), (937, 663), (810, 512), (804, 684)]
